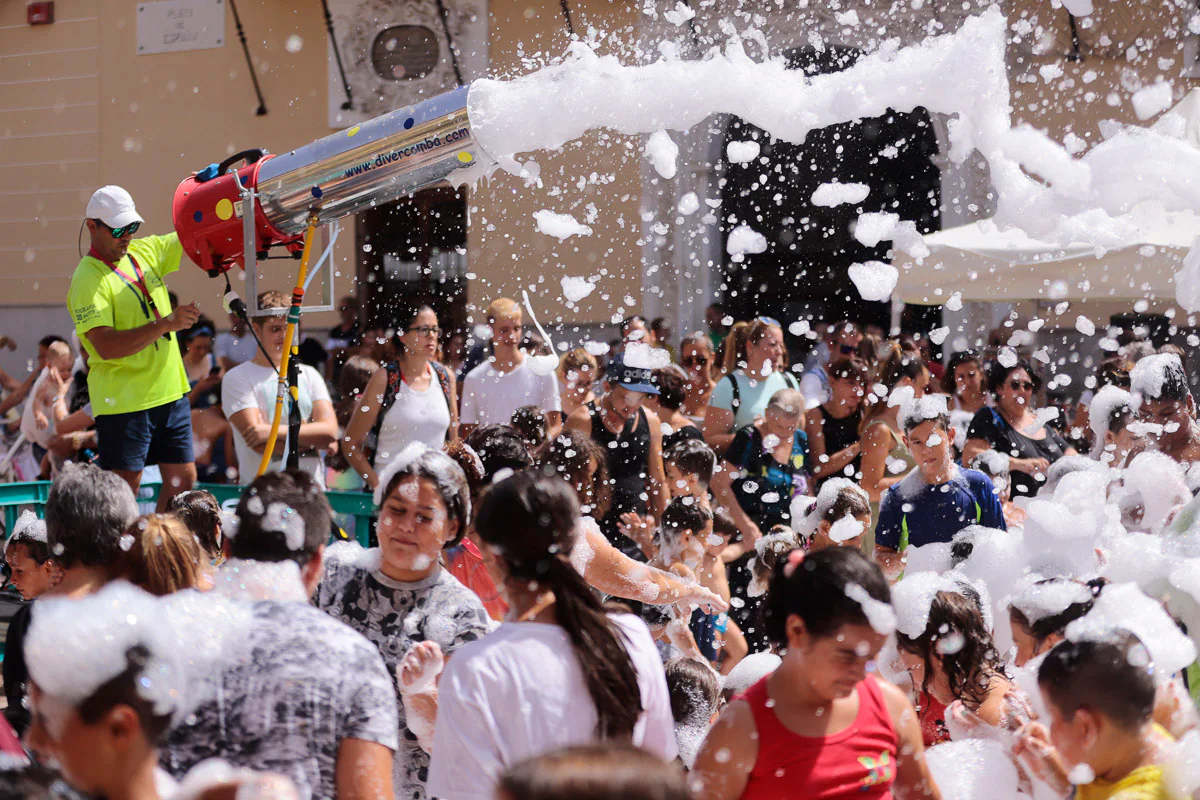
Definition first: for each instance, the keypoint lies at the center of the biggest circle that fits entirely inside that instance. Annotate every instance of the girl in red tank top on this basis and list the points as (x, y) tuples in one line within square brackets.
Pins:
[(819, 727), (857, 762)]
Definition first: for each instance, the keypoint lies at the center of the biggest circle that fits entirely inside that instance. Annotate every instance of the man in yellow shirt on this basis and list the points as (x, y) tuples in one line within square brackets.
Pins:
[(123, 316)]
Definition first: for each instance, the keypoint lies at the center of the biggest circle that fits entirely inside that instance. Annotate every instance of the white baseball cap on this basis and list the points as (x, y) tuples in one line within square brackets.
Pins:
[(113, 206)]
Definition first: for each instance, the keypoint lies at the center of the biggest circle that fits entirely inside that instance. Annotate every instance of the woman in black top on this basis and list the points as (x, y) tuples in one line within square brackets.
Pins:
[(631, 436), (832, 428), (1011, 428), (672, 391)]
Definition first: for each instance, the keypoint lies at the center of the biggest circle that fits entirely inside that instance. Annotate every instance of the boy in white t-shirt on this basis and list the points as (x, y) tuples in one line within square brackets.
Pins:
[(502, 384), (248, 399)]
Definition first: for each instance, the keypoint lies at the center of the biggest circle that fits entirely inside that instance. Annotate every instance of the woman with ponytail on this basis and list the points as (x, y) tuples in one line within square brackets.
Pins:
[(563, 670)]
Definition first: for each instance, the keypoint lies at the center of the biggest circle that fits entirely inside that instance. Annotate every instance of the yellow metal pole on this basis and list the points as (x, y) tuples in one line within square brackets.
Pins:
[(293, 319)]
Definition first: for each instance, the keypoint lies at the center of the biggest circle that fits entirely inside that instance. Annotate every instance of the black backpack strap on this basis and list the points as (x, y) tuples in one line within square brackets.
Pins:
[(444, 379), (736, 403), (390, 389), (790, 380)]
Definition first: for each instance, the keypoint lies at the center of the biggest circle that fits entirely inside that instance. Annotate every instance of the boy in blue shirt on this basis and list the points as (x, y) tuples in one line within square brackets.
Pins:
[(938, 498)]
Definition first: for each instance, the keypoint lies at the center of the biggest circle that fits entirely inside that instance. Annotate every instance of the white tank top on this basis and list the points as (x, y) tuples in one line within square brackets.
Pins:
[(414, 417)]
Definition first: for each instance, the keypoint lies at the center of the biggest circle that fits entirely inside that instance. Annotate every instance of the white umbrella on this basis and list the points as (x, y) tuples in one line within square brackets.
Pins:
[(987, 264)]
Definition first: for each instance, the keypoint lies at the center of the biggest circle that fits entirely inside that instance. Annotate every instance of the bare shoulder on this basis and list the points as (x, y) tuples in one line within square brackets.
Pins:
[(896, 698)]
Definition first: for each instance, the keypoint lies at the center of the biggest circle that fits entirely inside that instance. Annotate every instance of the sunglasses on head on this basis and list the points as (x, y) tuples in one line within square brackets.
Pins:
[(769, 321), (1018, 386), (117, 233)]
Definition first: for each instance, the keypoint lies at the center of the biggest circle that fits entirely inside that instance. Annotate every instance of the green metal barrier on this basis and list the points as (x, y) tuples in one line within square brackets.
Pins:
[(352, 510)]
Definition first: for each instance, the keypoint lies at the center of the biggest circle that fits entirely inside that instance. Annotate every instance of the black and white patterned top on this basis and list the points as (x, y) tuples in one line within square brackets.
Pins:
[(394, 616), (303, 683)]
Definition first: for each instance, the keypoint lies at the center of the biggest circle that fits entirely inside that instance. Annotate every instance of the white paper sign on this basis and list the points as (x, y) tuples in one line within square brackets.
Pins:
[(171, 26)]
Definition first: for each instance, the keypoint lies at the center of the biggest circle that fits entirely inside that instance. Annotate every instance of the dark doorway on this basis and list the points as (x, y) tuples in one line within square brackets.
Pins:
[(414, 251), (803, 274)]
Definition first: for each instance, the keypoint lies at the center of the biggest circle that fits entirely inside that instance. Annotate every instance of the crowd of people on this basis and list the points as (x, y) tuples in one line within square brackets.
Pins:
[(638, 571)]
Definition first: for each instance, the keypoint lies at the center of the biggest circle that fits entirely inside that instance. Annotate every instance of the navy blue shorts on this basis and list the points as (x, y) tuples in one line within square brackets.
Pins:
[(159, 435)]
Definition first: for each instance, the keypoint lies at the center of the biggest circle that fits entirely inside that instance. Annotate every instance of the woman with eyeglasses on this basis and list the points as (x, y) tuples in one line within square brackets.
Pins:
[(832, 427), (756, 367), (1011, 428), (410, 399), (699, 359), (577, 375)]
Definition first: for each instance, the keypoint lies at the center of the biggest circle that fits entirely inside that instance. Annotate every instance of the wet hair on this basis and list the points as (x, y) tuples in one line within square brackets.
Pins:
[(851, 501), (124, 690), (849, 368), (46, 341), (470, 464), (958, 633), (404, 318), (769, 551), (1044, 627), (949, 385), (815, 591), (594, 772), (570, 455), (672, 386), (1113, 678), (300, 495), (998, 375), (578, 361), (630, 321), (723, 524), (446, 476), (87, 512), (164, 556), (199, 511), (692, 457), (789, 402), (1173, 385), (1114, 371), (911, 421), (532, 520), (499, 447), (532, 425), (30, 534), (683, 514), (694, 690)]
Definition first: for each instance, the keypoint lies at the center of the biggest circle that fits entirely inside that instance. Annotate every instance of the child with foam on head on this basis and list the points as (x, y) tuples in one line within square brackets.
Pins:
[(1101, 737), (954, 662), (404, 600), (110, 673), (32, 572), (695, 692), (685, 549), (937, 499), (838, 517)]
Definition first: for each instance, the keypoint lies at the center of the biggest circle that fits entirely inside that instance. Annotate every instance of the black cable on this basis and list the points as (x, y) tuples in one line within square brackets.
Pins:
[(445, 15), (238, 306), (337, 56), (567, 14), (237, 21), (1076, 54)]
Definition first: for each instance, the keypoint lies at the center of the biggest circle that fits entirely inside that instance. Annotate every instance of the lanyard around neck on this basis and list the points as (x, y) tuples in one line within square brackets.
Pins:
[(136, 284)]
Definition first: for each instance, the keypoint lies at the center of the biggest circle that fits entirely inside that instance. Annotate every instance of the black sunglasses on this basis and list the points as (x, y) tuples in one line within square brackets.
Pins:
[(1017, 386), (117, 233)]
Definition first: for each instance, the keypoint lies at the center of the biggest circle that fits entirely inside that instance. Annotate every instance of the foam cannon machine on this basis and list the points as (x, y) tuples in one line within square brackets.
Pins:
[(226, 216)]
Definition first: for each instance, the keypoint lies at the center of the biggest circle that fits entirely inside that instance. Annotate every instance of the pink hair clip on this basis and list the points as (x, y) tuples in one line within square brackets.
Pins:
[(793, 560)]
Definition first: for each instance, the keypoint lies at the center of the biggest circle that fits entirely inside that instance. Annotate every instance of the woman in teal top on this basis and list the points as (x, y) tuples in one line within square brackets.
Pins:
[(756, 367)]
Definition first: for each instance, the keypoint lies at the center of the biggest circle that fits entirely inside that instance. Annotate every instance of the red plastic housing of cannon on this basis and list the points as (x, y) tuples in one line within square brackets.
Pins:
[(208, 219)]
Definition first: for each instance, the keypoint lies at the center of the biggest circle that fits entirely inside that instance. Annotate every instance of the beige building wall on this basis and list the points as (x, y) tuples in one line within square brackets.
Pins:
[(79, 107)]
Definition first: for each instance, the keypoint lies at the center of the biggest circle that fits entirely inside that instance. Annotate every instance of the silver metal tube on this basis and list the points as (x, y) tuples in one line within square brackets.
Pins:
[(372, 163)]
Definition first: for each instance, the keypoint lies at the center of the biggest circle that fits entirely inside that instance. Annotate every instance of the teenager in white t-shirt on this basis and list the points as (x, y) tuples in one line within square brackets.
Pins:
[(248, 400), (502, 384), (561, 671)]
